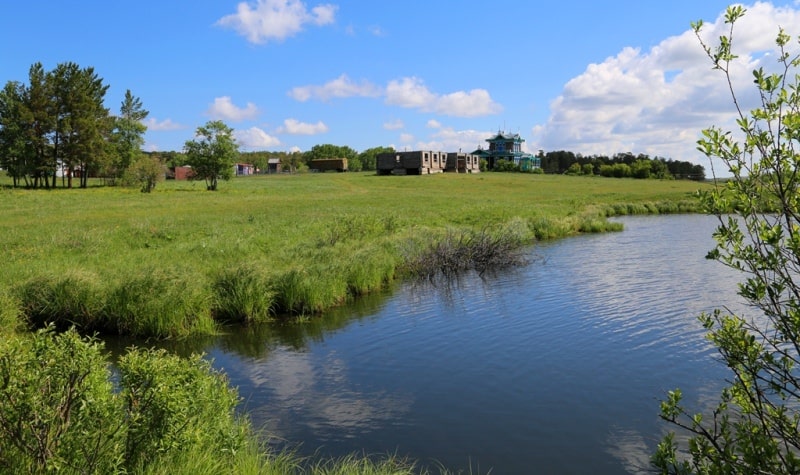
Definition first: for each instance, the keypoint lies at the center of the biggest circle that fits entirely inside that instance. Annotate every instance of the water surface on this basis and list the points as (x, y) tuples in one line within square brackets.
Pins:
[(557, 367)]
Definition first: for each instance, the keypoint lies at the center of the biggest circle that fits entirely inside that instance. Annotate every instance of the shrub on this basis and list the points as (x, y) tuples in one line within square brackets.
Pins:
[(172, 404), (58, 411)]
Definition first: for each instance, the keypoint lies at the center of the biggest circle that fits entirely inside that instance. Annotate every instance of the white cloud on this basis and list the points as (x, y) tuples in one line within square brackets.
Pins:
[(295, 127), (411, 92), (295, 148), (657, 101), (255, 138), (408, 92), (223, 108), (433, 124), (451, 140), (406, 138), (166, 124), (340, 87), (277, 20), (394, 125)]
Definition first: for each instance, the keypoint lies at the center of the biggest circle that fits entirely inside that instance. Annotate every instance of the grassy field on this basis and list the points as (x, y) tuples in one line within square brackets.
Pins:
[(181, 259)]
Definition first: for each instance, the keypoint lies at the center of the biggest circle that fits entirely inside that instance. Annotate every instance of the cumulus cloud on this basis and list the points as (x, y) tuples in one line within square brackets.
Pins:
[(657, 101), (394, 125), (411, 92), (295, 127), (255, 138), (166, 124), (340, 87), (408, 92), (276, 20), (224, 109), (406, 138), (449, 139), (433, 124)]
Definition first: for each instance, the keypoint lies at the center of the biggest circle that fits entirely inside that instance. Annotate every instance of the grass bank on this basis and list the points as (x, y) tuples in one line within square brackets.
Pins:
[(181, 260)]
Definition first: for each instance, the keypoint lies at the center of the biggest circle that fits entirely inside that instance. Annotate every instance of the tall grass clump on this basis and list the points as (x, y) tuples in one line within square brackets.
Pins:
[(161, 302), (75, 298), (368, 270), (388, 465), (307, 290), (242, 294), (545, 229)]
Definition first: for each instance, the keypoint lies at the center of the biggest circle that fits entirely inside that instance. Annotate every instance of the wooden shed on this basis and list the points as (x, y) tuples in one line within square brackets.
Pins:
[(180, 173), (325, 164)]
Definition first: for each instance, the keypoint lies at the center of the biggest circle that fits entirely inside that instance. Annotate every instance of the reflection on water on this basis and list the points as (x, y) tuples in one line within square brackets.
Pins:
[(554, 368)]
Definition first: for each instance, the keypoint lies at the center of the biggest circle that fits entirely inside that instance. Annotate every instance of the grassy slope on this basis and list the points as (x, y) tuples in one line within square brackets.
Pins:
[(311, 239)]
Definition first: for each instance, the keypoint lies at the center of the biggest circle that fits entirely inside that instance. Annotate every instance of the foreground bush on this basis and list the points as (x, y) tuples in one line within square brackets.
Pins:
[(60, 412)]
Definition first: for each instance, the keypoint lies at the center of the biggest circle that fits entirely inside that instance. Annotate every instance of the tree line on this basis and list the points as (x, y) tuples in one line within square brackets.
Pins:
[(620, 165)]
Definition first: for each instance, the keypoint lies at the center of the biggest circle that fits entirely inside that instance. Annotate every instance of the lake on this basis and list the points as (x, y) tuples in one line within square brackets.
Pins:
[(555, 367)]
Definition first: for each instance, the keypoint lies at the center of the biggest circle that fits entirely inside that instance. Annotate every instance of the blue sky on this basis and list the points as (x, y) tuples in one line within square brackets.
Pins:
[(586, 76)]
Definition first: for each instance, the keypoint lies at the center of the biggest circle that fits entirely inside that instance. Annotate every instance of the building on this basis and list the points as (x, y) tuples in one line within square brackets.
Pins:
[(243, 169), (503, 146), (273, 165), (463, 163), (418, 162), (324, 164)]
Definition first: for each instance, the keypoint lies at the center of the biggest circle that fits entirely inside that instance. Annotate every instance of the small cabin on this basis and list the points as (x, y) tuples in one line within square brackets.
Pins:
[(418, 162), (243, 169), (273, 165)]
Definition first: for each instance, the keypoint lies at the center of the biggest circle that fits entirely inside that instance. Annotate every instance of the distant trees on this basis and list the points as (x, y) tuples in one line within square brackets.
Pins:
[(212, 153), (620, 165)]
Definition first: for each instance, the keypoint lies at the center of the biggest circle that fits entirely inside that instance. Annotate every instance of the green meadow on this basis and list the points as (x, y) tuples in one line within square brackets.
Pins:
[(183, 260)]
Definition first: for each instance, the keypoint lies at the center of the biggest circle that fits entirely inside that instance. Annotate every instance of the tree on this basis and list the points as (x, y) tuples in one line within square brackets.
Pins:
[(212, 154), (754, 426), (14, 150), (128, 134), (82, 122), (145, 172)]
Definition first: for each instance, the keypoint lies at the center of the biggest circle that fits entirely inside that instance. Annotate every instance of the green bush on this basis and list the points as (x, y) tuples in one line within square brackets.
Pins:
[(173, 403), (60, 411)]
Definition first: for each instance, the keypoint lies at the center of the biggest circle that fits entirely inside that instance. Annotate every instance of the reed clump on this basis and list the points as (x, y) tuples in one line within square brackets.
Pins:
[(459, 251)]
